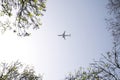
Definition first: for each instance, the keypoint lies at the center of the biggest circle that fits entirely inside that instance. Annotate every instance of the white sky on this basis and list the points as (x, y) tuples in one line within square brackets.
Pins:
[(53, 56)]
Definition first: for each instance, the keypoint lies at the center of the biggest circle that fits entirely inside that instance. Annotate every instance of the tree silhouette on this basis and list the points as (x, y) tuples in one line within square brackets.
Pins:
[(82, 74), (107, 68), (109, 65), (27, 14), (114, 19), (15, 71)]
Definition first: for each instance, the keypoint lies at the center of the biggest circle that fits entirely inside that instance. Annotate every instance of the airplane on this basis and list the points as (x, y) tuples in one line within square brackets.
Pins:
[(65, 35)]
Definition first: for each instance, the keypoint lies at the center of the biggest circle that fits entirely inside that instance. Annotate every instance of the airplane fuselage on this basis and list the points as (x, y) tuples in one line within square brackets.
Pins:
[(64, 36)]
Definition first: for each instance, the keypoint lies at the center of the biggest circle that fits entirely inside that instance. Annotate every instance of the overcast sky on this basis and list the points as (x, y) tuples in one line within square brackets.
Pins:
[(53, 56)]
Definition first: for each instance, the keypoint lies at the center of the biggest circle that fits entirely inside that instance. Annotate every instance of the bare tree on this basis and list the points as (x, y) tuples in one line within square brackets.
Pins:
[(109, 65), (107, 68), (26, 12)]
